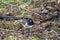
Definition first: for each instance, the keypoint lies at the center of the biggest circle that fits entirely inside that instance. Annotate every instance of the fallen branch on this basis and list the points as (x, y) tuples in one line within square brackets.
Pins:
[(55, 16), (8, 18)]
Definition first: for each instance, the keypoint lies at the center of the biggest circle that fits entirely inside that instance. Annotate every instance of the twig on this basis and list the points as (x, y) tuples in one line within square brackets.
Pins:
[(55, 33), (6, 29), (8, 18), (55, 16)]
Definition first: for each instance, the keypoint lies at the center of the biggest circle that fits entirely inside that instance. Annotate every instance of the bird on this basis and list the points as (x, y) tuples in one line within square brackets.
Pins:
[(26, 22)]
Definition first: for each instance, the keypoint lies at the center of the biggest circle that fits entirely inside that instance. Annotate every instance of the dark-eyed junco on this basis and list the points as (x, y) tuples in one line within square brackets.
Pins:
[(26, 22)]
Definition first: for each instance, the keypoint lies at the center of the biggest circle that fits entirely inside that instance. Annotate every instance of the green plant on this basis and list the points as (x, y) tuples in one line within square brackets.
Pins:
[(9, 38), (34, 38)]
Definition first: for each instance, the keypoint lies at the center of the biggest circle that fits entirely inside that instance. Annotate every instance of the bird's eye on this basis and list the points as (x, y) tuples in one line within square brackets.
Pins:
[(30, 21)]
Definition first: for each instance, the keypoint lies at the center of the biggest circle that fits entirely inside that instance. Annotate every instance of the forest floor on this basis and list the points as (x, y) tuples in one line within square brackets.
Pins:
[(45, 14)]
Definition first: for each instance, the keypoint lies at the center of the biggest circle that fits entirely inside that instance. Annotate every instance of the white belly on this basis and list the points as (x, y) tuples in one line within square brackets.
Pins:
[(27, 26)]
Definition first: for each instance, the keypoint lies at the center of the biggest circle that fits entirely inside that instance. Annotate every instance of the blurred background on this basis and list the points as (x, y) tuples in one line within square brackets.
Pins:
[(42, 12)]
